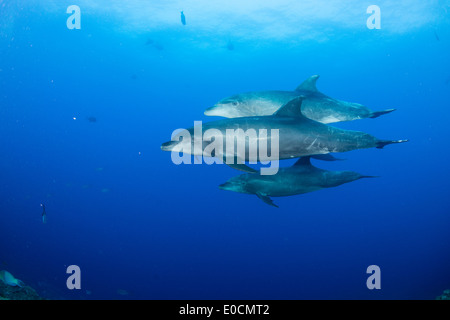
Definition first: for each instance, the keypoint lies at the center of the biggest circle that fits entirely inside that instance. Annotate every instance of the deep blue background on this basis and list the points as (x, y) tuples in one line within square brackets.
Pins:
[(139, 223)]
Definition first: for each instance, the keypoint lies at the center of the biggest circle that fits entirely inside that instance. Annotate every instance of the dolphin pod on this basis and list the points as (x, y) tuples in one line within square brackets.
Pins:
[(302, 132), (316, 105), (298, 136)]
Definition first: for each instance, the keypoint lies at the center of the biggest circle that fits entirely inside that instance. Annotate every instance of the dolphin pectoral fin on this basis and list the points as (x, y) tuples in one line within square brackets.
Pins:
[(266, 199), (237, 164), (380, 144), (376, 114), (292, 108), (241, 167)]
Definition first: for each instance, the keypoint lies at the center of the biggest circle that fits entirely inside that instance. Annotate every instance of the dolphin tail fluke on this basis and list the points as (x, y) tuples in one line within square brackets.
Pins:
[(380, 144), (376, 114), (266, 199)]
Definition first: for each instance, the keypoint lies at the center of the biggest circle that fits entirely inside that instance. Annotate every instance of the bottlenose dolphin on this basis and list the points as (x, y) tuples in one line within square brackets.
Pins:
[(301, 178), (297, 136), (316, 105)]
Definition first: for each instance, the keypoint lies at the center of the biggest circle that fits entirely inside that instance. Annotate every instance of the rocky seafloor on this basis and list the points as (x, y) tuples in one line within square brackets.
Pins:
[(444, 296), (8, 292)]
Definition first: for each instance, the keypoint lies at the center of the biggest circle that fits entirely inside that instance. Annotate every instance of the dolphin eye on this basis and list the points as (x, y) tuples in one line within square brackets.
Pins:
[(234, 103)]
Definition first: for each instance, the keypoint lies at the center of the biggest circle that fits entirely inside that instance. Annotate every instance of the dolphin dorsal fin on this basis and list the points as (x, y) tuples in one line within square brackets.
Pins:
[(292, 108), (266, 199), (309, 84), (303, 161)]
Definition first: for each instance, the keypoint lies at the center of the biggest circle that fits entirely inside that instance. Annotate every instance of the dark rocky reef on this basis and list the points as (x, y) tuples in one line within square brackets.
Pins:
[(8, 292), (444, 296)]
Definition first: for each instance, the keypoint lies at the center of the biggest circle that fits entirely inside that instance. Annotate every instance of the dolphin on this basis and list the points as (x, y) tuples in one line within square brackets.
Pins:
[(298, 136), (301, 178), (316, 106)]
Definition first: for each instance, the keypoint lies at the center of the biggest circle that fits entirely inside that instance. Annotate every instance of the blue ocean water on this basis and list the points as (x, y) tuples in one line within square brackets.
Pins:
[(83, 113)]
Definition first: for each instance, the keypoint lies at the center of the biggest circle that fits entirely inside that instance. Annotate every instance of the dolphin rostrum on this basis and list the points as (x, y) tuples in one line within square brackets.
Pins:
[(297, 136), (316, 106), (301, 178)]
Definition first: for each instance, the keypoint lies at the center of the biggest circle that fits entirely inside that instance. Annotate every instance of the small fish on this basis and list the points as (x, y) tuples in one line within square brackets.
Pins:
[(158, 46), (10, 280), (44, 214), (154, 45), (91, 119), (122, 292), (183, 18), (436, 35)]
